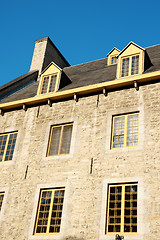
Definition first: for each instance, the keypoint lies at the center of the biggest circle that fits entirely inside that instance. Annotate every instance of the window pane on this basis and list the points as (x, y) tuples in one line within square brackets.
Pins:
[(60, 140), (122, 216), (7, 145), (114, 213), (135, 65), (66, 139), (55, 221), (130, 209), (113, 60), (49, 211), (118, 134), (132, 130), (3, 141), (54, 141), (10, 146), (125, 67), (43, 213), (52, 83), (45, 85), (125, 130)]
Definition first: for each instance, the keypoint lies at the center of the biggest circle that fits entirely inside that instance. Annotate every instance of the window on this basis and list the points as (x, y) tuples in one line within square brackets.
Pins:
[(1, 199), (48, 83), (122, 208), (125, 130), (7, 145), (130, 66), (60, 139), (113, 60), (49, 214)]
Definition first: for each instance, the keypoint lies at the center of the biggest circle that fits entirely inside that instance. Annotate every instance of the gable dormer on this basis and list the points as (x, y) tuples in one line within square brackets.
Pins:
[(112, 56), (50, 79), (130, 61)]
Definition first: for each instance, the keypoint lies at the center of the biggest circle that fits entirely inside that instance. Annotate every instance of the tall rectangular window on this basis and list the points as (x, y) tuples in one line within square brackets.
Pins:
[(49, 214), (135, 65), (1, 199), (7, 145), (125, 67), (125, 130), (122, 208), (48, 83), (130, 65), (60, 139)]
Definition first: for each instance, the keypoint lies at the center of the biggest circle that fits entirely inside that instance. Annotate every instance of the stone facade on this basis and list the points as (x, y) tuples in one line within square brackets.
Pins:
[(85, 201)]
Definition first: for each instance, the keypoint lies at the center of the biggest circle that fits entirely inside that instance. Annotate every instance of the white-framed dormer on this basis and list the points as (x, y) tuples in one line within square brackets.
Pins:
[(130, 61), (50, 79), (112, 56)]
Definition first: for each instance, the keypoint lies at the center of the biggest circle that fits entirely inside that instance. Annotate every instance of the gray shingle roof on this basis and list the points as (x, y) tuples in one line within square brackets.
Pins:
[(81, 75)]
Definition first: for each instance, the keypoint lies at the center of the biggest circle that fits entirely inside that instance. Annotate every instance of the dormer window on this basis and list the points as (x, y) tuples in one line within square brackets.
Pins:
[(112, 56), (135, 65), (48, 83), (113, 59), (130, 61), (50, 79), (130, 66)]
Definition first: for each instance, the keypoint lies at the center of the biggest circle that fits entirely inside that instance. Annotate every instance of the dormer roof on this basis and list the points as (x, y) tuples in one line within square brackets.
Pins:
[(52, 63), (136, 45), (113, 50)]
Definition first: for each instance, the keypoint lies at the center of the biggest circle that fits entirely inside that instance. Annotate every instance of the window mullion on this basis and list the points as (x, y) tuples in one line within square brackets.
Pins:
[(5, 149), (50, 141), (130, 65), (108, 208), (122, 208), (56, 85), (125, 131), (112, 132), (49, 81), (50, 211), (40, 199), (60, 142)]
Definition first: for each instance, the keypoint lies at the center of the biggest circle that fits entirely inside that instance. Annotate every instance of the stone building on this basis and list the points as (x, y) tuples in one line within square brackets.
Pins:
[(80, 147)]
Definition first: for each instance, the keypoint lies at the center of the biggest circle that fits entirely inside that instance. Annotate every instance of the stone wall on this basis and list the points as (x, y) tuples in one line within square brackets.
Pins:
[(86, 193)]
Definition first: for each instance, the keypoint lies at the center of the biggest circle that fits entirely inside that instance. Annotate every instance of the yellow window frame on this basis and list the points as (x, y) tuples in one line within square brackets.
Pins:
[(61, 137), (50, 211), (125, 129), (6, 146), (130, 64), (113, 56), (1, 201), (49, 82), (123, 185)]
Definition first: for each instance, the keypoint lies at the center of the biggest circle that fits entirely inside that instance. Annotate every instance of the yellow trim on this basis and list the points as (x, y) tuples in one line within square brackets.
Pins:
[(125, 129), (50, 211), (121, 82), (61, 137), (130, 65), (6, 145), (123, 185), (51, 70), (1, 202), (130, 51), (114, 53)]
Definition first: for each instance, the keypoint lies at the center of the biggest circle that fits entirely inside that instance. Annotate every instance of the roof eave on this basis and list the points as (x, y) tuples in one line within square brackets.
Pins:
[(62, 95)]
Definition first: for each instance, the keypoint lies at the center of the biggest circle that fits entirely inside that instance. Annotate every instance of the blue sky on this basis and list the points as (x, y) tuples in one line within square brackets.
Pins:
[(83, 31)]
